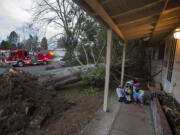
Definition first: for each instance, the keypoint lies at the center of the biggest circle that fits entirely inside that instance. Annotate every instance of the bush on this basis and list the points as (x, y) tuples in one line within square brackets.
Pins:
[(91, 90), (94, 77)]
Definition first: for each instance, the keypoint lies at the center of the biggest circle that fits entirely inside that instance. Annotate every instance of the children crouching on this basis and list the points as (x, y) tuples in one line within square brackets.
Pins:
[(125, 94), (130, 92), (137, 94)]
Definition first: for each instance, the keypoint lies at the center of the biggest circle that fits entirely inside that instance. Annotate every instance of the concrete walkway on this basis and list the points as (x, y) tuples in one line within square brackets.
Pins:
[(133, 120), (122, 119)]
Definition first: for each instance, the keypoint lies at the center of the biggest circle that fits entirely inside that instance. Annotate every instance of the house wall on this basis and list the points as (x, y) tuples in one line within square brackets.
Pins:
[(169, 65), (156, 65), (156, 70), (59, 52), (174, 86), (163, 66)]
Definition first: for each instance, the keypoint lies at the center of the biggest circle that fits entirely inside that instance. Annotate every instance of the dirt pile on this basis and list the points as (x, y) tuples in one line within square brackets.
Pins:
[(25, 103), (172, 110)]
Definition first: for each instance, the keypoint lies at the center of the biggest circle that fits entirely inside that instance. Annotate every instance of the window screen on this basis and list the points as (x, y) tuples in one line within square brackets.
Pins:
[(172, 50)]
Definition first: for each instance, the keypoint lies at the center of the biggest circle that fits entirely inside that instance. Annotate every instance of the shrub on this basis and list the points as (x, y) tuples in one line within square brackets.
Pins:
[(91, 90), (94, 77)]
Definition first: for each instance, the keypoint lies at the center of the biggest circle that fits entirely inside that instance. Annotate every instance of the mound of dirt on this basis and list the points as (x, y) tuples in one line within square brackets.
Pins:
[(172, 110), (25, 103)]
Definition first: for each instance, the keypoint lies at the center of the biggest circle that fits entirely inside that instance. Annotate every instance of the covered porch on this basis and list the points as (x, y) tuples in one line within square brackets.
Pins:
[(150, 20)]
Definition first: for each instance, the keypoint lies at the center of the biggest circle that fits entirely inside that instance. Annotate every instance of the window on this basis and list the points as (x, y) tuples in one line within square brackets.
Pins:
[(13, 54), (6, 54), (25, 54)]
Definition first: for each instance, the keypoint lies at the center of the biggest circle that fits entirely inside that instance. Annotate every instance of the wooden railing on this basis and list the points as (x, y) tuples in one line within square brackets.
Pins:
[(161, 124)]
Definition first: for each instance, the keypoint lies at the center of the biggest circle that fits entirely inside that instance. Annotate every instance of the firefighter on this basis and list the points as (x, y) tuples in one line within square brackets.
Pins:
[(2, 59)]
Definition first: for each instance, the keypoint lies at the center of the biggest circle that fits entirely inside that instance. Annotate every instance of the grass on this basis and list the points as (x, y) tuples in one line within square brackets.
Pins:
[(74, 91), (79, 84), (91, 90)]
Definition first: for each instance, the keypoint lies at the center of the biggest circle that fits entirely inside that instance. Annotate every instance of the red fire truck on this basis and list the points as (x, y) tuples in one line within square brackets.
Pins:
[(43, 57), (24, 57)]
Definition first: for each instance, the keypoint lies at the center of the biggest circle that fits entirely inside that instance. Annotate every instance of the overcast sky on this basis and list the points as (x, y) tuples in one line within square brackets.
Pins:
[(14, 13)]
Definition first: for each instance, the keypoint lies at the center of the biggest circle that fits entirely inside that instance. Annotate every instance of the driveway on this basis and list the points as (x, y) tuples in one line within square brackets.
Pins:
[(34, 69)]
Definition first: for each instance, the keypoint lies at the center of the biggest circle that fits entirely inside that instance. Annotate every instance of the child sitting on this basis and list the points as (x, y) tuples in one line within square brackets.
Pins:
[(125, 94), (137, 94)]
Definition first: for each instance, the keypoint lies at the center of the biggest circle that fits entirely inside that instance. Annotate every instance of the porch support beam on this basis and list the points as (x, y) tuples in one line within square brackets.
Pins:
[(97, 7), (108, 64), (123, 64)]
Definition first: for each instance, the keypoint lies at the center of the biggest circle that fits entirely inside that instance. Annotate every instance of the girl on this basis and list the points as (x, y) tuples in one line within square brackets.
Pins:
[(137, 94)]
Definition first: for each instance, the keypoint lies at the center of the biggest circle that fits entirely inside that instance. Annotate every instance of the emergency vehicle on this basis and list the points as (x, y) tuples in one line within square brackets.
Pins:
[(24, 57), (15, 57), (44, 57)]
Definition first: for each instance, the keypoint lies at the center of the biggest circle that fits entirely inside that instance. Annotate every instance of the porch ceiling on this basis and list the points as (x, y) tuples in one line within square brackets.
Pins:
[(132, 19)]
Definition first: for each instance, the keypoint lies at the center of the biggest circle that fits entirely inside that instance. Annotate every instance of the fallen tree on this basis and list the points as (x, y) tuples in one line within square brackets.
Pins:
[(62, 76)]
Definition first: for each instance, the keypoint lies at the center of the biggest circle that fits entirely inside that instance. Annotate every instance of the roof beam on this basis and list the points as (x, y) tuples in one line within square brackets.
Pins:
[(139, 33), (134, 20), (136, 9), (94, 4), (87, 9), (172, 11), (104, 1), (138, 36), (138, 22), (156, 10), (170, 18), (165, 27), (155, 27), (167, 23), (138, 28)]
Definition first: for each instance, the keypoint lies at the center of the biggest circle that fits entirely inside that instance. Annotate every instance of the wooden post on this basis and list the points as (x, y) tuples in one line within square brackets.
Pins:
[(108, 64), (123, 64)]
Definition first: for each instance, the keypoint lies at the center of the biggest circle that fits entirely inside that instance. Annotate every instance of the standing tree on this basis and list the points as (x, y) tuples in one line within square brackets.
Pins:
[(35, 43), (13, 38), (44, 44), (20, 45), (28, 43), (31, 43), (4, 45)]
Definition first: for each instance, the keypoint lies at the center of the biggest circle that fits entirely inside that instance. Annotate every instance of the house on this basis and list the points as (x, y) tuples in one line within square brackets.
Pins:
[(156, 20), (167, 62), (59, 52)]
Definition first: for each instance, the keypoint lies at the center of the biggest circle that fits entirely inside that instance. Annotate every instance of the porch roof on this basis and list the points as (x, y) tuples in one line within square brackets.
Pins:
[(133, 19)]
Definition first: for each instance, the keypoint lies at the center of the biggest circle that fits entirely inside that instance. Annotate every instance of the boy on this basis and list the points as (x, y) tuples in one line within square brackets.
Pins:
[(125, 94)]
